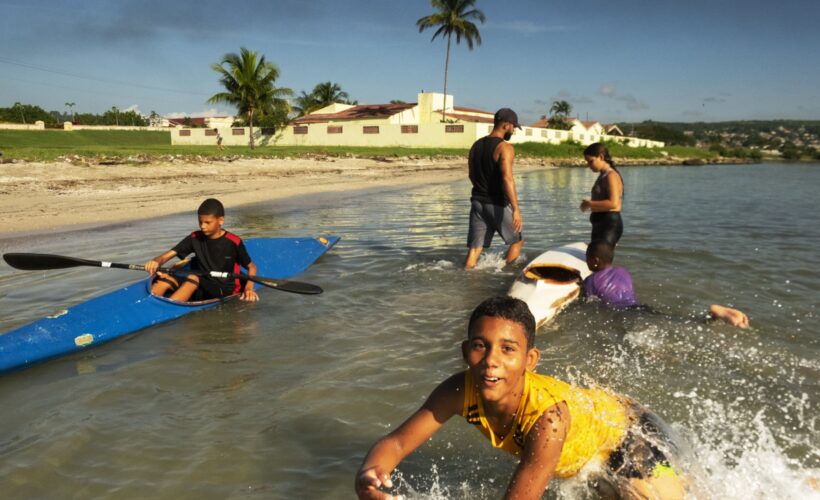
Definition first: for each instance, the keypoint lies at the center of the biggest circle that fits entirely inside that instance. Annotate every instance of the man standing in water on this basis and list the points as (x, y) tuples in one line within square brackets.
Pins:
[(493, 203)]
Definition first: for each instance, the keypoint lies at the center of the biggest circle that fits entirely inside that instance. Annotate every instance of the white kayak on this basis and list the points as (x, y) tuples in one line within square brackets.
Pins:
[(551, 281)]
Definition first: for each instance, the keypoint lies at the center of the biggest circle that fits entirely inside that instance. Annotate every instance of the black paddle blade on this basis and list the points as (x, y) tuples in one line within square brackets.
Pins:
[(43, 261), (287, 286)]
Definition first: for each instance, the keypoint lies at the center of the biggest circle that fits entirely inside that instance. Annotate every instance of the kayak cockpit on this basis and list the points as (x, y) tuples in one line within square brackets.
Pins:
[(192, 303), (555, 274)]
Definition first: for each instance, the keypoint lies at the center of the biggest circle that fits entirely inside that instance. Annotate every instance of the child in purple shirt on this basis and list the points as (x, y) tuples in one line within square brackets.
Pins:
[(613, 285)]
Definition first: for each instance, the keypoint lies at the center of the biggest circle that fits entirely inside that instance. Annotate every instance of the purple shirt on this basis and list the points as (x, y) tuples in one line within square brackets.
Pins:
[(613, 286)]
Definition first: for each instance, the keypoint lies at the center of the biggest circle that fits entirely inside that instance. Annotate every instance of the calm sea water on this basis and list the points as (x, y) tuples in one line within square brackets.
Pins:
[(283, 398)]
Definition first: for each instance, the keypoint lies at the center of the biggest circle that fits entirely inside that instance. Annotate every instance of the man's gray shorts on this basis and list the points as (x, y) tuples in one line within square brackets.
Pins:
[(487, 219)]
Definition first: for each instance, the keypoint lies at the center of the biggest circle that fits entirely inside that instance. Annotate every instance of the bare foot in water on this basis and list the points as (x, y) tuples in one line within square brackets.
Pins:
[(732, 316)]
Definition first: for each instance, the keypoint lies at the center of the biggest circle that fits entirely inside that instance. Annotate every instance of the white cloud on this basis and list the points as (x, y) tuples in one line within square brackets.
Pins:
[(607, 90), (210, 113)]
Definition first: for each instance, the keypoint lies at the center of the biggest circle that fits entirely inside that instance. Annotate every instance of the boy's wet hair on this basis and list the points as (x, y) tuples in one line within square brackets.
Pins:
[(211, 206), (509, 308), (602, 250)]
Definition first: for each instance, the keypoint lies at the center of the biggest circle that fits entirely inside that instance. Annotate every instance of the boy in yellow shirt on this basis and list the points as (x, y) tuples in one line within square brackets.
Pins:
[(555, 428)]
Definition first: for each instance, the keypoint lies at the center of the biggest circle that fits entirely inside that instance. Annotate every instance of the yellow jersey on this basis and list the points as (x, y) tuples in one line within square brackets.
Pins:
[(599, 420)]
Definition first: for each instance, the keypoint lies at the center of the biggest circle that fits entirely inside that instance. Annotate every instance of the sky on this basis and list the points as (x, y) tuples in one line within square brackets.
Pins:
[(613, 61)]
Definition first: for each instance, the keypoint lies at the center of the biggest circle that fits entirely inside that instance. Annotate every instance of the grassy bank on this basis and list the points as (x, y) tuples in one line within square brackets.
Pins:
[(50, 145)]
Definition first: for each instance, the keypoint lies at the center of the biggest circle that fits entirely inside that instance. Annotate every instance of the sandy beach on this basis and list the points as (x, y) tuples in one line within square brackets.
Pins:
[(38, 197)]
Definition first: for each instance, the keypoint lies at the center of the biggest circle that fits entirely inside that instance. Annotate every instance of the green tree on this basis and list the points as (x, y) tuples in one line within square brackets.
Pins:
[(563, 108), (304, 104), (323, 94), (116, 112), (70, 106), (326, 93), (25, 113), (249, 86), (559, 112), (19, 108), (453, 17)]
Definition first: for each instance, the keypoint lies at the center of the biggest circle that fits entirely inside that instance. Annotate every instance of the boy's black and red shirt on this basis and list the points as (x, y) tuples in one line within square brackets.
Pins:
[(224, 254)]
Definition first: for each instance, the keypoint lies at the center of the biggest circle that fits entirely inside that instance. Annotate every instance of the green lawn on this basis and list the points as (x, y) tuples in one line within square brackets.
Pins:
[(45, 145)]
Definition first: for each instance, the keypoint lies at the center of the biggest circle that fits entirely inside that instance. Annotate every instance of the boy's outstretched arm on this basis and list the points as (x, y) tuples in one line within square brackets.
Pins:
[(445, 401), (541, 454), (248, 293)]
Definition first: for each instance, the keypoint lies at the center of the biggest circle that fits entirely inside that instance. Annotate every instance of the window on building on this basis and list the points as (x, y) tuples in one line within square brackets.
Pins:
[(238, 131), (528, 131), (268, 130), (409, 129), (300, 130), (544, 133), (370, 129), (454, 129), (184, 133), (209, 132), (334, 129)]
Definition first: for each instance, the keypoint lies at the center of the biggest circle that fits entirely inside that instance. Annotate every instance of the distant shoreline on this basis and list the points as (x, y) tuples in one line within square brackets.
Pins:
[(39, 197)]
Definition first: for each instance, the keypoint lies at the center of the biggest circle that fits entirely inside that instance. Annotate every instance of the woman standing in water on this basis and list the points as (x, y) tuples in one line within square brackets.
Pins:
[(607, 193)]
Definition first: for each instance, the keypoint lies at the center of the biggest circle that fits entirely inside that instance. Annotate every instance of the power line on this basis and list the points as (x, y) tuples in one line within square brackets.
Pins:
[(37, 67)]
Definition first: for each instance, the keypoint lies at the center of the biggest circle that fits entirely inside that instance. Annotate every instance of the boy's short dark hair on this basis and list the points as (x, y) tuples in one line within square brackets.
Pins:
[(211, 206), (601, 249), (509, 308)]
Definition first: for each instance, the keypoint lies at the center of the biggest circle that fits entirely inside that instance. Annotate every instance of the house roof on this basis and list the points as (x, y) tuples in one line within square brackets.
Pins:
[(589, 124), (198, 120), (472, 110), (465, 117), (358, 112), (542, 123)]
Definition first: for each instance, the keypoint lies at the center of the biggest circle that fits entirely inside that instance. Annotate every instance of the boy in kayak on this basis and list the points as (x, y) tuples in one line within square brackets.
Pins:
[(556, 429), (613, 286), (215, 250)]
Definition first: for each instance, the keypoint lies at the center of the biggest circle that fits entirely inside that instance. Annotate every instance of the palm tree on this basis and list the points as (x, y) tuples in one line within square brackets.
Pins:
[(559, 110), (323, 94), (326, 93), (70, 106), (453, 18), (304, 104), (248, 80), (19, 107), (116, 112), (562, 108)]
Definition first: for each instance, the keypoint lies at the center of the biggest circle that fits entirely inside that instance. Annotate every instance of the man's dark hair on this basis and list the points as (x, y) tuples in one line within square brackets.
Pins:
[(508, 308), (211, 206), (601, 249)]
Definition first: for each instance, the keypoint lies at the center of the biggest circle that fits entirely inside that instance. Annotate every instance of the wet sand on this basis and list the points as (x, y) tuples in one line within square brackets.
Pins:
[(40, 197)]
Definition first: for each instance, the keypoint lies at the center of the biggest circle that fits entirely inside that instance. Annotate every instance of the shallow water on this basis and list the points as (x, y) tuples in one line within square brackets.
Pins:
[(284, 397)]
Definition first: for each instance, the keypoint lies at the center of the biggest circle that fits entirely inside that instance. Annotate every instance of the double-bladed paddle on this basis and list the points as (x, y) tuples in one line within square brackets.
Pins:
[(42, 261)]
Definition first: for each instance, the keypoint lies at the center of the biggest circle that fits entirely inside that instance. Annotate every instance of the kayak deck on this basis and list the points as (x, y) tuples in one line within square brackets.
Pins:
[(552, 281), (132, 308)]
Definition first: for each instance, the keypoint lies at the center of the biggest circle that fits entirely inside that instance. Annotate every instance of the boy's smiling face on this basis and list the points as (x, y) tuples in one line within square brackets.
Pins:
[(498, 356)]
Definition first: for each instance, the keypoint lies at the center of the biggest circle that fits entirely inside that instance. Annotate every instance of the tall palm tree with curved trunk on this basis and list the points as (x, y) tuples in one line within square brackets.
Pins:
[(453, 17), (249, 86)]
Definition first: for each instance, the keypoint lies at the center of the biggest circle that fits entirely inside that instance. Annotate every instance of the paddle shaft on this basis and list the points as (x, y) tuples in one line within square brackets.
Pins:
[(37, 262)]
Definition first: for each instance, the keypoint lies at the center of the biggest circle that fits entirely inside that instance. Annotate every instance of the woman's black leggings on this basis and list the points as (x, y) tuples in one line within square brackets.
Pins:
[(606, 226)]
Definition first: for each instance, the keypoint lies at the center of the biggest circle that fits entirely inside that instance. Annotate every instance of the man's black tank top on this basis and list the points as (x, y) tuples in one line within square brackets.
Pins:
[(485, 172)]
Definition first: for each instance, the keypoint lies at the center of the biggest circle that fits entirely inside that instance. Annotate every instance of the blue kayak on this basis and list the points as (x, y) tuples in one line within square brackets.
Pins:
[(133, 308)]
